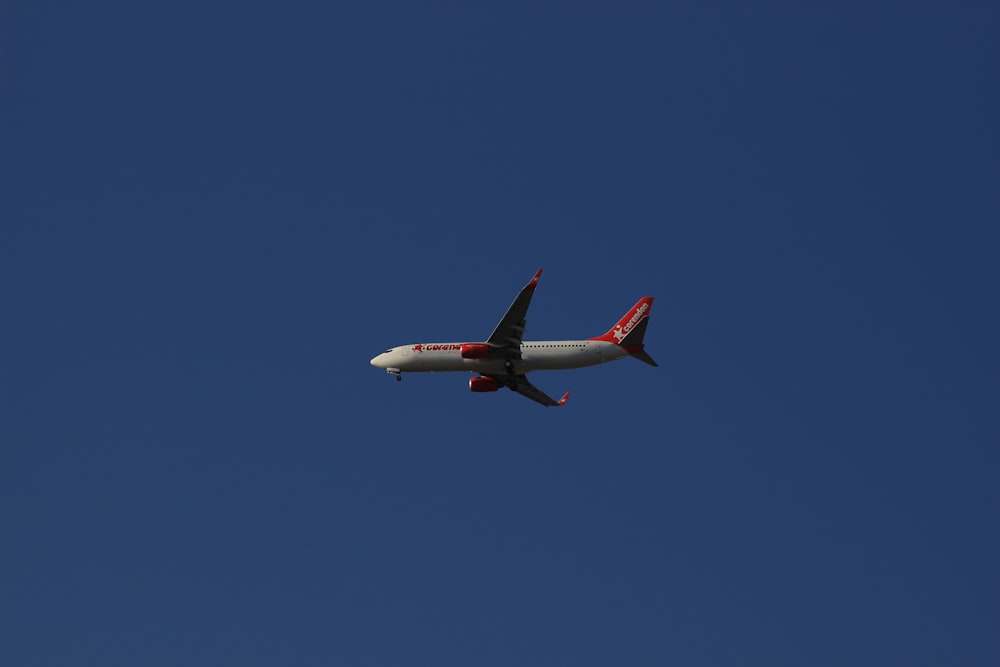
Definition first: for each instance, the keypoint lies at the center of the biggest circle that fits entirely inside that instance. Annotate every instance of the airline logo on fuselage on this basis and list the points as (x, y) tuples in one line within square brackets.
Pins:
[(450, 347), (621, 331)]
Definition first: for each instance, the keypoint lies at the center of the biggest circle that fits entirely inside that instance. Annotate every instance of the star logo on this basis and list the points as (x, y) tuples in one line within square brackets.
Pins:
[(418, 347), (618, 333)]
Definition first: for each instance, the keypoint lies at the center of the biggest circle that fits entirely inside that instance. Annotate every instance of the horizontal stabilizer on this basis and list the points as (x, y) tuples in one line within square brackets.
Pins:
[(643, 356)]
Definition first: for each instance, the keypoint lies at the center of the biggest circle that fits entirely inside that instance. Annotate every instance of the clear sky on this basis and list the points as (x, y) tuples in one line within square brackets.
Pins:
[(213, 214)]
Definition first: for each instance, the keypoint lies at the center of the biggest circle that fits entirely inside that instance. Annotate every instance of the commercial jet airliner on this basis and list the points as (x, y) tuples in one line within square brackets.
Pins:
[(503, 360)]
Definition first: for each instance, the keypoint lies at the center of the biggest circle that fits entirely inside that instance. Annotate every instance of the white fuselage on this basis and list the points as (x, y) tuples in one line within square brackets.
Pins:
[(535, 356)]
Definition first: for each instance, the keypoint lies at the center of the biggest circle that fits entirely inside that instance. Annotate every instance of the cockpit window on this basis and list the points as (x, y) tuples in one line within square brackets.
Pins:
[(387, 351)]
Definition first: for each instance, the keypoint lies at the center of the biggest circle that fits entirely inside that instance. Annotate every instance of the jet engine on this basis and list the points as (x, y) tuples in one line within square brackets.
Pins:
[(481, 384), (475, 350)]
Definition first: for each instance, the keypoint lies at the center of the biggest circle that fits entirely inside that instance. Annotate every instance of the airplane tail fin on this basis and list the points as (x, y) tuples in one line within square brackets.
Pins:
[(630, 330)]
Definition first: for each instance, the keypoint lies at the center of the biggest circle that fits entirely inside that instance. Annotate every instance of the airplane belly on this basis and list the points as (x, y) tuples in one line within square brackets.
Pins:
[(554, 359), (447, 361)]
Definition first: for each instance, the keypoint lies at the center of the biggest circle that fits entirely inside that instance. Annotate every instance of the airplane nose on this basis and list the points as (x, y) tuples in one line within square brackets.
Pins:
[(374, 361)]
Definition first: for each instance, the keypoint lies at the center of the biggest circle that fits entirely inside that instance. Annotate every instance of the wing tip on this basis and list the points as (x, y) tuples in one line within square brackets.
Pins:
[(534, 281), (562, 401)]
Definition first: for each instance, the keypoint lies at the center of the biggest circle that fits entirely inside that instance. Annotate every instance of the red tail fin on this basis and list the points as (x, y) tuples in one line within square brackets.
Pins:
[(631, 328)]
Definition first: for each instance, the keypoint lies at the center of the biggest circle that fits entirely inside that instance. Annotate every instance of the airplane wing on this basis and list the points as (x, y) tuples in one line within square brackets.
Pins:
[(508, 334), (506, 339), (520, 384)]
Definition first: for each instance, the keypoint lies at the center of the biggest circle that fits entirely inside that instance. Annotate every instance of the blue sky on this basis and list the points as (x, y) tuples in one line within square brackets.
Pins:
[(214, 214)]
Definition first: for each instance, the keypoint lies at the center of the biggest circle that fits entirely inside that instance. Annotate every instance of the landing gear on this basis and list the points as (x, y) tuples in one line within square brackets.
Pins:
[(396, 373), (511, 378)]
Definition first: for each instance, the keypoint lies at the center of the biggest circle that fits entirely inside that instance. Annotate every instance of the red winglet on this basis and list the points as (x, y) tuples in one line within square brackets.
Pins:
[(534, 281), (562, 401)]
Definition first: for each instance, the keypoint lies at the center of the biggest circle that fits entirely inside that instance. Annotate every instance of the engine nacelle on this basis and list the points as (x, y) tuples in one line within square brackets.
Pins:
[(481, 384), (475, 350)]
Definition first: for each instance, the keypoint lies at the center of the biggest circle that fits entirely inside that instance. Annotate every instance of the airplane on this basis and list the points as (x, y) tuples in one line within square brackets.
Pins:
[(504, 359)]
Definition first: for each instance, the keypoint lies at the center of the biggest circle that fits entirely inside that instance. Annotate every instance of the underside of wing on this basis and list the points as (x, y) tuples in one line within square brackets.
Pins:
[(509, 333), (521, 385)]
